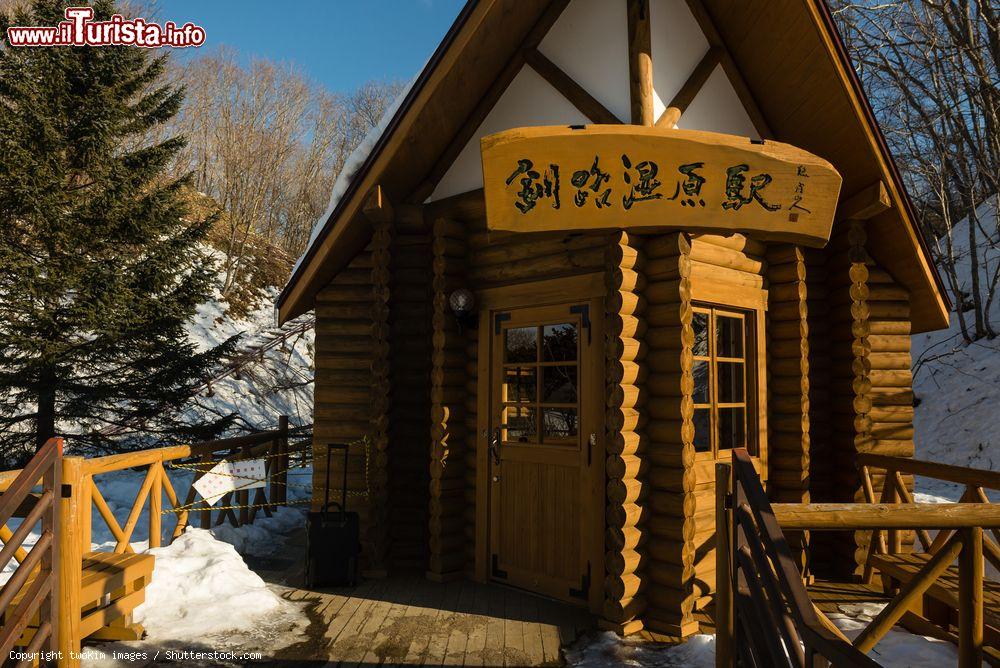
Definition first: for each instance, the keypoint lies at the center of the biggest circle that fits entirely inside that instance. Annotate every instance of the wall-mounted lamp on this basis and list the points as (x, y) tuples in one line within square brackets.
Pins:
[(463, 303)]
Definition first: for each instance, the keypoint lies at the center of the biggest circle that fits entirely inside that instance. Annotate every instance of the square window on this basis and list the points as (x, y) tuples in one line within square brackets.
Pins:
[(520, 383), (559, 342), (560, 425), (520, 344), (559, 384)]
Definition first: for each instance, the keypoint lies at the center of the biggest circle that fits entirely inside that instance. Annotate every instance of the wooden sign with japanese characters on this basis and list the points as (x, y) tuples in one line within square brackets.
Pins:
[(590, 177)]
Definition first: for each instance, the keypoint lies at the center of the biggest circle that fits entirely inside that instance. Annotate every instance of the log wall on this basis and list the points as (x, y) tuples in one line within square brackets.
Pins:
[(668, 438), (346, 396), (448, 556), (624, 599), (409, 424)]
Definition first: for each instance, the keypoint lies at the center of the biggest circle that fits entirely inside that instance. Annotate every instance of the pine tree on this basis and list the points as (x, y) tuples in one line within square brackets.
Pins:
[(100, 268)]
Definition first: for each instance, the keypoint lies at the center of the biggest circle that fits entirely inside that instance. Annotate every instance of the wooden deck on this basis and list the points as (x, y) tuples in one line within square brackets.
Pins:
[(411, 621)]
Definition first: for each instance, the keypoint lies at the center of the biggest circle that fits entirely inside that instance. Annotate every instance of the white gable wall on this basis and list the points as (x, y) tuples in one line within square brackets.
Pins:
[(589, 42)]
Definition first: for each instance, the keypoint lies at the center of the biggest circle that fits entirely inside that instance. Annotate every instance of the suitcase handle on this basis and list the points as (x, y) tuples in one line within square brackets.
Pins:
[(330, 447)]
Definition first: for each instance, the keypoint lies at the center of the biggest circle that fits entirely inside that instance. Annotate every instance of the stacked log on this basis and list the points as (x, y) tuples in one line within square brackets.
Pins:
[(342, 410), (822, 469), (851, 376), (380, 399), (624, 600), (667, 438), (409, 428), (891, 379), (504, 258), (448, 556), (788, 381)]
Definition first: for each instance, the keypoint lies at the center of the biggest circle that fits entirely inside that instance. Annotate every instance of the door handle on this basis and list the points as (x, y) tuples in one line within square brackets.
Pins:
[(495, 447)]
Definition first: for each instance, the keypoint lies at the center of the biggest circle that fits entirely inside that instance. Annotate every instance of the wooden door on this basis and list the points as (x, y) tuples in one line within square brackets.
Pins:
[(541, 449)]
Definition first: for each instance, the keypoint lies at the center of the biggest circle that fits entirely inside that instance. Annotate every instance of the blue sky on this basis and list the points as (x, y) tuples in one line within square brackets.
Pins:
[(339, 43)]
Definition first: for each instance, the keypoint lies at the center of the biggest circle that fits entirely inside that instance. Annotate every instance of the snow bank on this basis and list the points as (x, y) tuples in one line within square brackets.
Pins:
[(899, 648), (201, 586), (607, 649)]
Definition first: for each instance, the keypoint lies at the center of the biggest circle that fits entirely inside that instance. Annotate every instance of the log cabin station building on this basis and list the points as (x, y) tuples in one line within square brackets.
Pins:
[(598, 245)]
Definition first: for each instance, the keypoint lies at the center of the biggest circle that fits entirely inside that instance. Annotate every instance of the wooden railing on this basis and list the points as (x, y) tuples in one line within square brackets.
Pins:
[(764, 616), (894, 490), (33, 587), (81, 494)]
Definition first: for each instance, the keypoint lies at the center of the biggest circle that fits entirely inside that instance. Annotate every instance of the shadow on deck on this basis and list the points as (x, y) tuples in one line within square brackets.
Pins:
[(409, 620)]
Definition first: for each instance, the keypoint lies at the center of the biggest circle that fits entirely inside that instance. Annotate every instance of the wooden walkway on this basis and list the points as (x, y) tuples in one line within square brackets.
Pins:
[(411, 621)]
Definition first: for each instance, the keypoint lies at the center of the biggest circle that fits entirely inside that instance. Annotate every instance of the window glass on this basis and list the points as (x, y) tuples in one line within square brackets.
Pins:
[(559, 342), (730, 382), (521, 423), (699, 322), (701, 394), (521, 344), (559, 384), (559, 424), (729, 336), (702, 430), (520, 383), (732, 431)]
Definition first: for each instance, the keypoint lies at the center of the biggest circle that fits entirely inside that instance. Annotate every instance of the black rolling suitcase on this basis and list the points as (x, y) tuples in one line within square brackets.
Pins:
[(332, 539)]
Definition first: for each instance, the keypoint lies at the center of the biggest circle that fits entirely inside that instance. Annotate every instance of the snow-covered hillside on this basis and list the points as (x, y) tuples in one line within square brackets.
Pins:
[(277, 382), (957, 385)]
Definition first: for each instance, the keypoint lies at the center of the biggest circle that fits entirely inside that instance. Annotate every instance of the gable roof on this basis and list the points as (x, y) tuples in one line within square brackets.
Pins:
[(788, 52)]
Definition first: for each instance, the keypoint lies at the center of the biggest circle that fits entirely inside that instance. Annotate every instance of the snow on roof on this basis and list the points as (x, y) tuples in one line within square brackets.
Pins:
[(351, 169)]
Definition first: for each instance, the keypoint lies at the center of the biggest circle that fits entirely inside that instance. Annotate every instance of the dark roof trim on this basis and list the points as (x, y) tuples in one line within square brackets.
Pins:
[(379, 146), (859, 91)]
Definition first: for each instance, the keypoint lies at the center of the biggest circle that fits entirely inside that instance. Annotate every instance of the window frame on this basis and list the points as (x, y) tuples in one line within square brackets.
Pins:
[(753, 390)]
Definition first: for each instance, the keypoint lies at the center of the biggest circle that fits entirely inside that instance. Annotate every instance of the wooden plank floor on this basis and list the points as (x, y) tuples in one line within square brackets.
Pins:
[(411, 621)]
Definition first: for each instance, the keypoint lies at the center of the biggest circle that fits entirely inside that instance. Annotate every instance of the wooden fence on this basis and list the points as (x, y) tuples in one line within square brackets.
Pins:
[(37, 571), (763, 608), (764, 616), (81, 494)]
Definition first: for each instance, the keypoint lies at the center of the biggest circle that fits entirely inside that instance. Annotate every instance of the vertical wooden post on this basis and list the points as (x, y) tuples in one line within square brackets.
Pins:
[(70, 561), (280, 495), (640, 63), (156, 506), (970, 599), (49, 610), (723, 575), (86, 511)]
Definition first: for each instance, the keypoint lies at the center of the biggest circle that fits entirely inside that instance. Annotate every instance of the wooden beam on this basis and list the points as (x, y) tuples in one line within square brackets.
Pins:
[(486, 103), (377, 208), (568, 88), (870, 202), (640, 62), (739, 84), (685, 96), (867, 516)]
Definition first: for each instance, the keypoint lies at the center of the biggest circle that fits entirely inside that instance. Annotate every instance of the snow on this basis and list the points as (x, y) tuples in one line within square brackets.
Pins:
[(899, 648), (278, 384), (958, 384)]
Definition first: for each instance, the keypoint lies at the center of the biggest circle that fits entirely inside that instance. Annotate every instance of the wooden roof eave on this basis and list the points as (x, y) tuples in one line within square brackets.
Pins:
[(453, 79)]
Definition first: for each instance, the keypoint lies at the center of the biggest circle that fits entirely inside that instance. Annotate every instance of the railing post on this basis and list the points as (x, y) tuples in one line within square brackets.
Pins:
[(70, 560), (723, 577), (243, 495), (281, 478), (970, 599), (156, 507)]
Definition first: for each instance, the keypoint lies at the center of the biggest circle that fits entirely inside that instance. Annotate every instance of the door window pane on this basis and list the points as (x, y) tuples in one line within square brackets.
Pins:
[(699, 321), (559, 384), (559, 342), (520, 383), (702, 430), (729, 336), (559, 424), (521, 423), (521, 344), (730, 382), (732, 429)]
